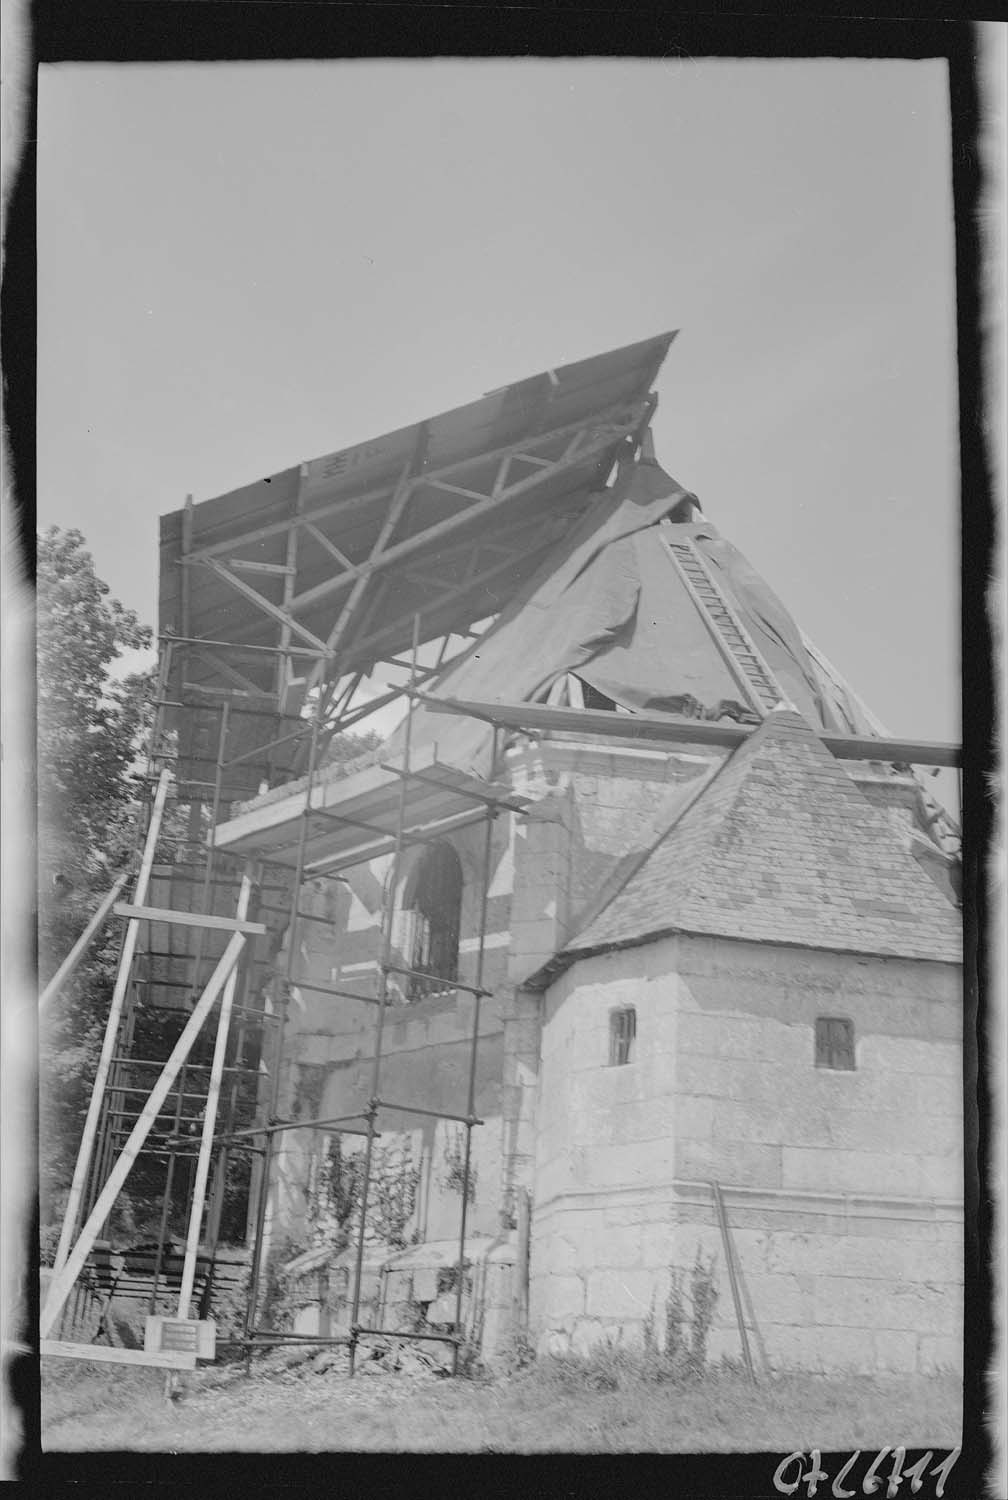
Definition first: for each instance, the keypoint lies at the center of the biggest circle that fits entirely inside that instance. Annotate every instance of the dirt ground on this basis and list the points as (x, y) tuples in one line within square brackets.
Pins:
[(298, 1403)]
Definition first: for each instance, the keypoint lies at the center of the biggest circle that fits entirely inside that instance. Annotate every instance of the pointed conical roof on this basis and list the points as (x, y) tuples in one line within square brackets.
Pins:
[(782, 846)]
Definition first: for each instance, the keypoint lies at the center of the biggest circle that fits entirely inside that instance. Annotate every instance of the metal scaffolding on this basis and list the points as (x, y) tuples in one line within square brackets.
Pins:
[(120, 1103), (347, 555)]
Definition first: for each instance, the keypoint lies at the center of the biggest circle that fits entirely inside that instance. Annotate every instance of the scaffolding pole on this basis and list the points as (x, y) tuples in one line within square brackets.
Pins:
[(263, 1175), (371, 1111), (111, 1034), (210, 1119), (473, 1051)]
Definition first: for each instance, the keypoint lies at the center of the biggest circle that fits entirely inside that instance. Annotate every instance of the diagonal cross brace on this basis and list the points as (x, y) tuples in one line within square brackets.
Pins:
[(62, 1284)]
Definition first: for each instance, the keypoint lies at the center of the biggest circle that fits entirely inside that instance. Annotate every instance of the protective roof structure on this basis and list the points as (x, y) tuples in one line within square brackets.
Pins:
[(334, 557), (610, 604)]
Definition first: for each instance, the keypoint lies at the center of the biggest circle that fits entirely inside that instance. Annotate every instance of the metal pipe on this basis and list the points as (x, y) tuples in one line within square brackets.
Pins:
[(194, 640), (474, 1049), (204, 905), (434, 1114), (292, 949), (210, 1119), (388, 914)]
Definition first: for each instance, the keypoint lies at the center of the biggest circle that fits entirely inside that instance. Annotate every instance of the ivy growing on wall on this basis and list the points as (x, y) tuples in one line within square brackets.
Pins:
[(395, 1177), (454, 1159), (336, 1198)]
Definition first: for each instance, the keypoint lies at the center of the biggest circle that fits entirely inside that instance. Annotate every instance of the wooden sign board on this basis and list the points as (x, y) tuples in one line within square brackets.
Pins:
[(195, 1337)]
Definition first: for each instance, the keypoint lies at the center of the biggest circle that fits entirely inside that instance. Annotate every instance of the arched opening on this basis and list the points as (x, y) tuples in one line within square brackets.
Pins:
[(433, 901)]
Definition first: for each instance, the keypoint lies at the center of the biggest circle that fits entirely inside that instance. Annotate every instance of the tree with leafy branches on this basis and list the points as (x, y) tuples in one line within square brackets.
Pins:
[(90, 726)]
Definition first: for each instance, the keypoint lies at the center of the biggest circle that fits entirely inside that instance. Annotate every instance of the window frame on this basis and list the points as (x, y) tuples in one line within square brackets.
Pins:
[(622, 1037), (421, 925), (826, 1049)]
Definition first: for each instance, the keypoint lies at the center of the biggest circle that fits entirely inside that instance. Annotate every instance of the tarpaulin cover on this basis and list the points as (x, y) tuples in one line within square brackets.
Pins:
[(610, 604)]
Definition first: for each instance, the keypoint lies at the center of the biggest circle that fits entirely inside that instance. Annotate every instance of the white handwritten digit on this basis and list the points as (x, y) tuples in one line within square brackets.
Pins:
[(837, 1492), (814, 1474), (944, 1470), (871, 1481), (778, 1479), (895, 1477), (915, 1473)]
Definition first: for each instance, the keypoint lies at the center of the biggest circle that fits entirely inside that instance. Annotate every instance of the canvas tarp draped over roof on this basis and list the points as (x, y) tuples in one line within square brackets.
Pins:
[(610, 605)]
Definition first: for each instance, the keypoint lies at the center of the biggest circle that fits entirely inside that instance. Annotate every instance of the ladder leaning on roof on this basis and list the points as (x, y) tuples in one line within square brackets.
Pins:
[(747, 664)]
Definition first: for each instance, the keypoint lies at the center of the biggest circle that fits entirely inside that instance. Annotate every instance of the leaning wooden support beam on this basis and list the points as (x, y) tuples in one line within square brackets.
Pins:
[(166, 1359), (62, 1282), (82, 944), (189, 919), (210, 1119), (83, 1164), (676, 729)]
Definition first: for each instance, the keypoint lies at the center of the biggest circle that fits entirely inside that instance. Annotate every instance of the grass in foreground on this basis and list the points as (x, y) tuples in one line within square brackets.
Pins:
[(290, 1404)]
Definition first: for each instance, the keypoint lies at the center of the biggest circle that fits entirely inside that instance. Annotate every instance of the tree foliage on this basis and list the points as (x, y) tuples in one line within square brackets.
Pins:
[(88, 723), (89, 728)]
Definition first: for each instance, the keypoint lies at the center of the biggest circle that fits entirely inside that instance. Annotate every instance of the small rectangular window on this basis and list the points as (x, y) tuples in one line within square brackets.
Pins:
[(834, 1043), (622, 1033)]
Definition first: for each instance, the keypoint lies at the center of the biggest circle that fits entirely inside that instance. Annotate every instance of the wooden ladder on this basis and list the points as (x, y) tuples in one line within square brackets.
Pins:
[(747, 664)]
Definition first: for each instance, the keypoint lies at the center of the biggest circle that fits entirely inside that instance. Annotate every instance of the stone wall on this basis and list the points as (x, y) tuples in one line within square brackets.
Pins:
[(844, 1189)]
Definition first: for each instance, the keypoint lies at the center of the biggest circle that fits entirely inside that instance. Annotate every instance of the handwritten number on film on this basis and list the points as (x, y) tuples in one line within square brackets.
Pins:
[(815, 1474)]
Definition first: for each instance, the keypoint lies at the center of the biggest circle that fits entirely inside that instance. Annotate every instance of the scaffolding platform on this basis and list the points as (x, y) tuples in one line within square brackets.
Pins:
[(354, 818)]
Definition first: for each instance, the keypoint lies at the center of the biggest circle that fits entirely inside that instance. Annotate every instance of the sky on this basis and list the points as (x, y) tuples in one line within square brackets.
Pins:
[(244, 266)]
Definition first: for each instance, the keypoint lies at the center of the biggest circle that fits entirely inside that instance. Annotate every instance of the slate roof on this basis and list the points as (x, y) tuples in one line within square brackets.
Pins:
[(782, 846)]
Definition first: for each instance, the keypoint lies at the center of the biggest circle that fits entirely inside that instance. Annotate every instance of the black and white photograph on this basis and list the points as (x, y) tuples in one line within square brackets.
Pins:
[(499, 763)]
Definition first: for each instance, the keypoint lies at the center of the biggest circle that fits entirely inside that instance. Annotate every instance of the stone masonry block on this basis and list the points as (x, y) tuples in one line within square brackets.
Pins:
[(627, 1165), (615, 1248), (780, 1298), (729, 1161), (895, 1257), (558, 1255), (895, 1351), (940, 1176), (926, 1061), (935, 1353), (694, 1118), (824, 1170), (858, 1303), (657, 1244), (941, 1094), (843, 1349), (619, 1294), (563, 1298), (791, 1348)]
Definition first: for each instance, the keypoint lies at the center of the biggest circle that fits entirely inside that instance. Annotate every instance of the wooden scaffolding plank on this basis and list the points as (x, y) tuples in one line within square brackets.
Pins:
[(167, 1359)]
